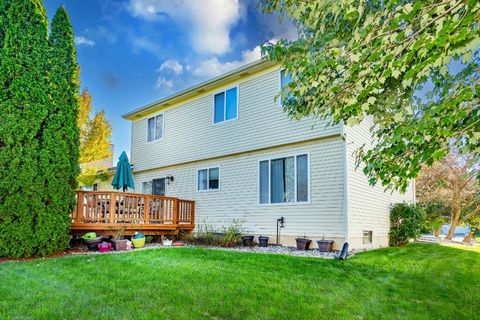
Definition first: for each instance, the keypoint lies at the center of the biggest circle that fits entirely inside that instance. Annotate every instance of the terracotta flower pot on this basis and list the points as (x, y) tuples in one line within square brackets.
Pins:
[(119, 245), (263, 241), (92, 244), (325, 245), (303, 244), (247, 241)]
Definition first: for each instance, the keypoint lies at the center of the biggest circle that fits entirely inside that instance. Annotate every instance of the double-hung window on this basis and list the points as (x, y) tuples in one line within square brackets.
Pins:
[(285, 80), (208, 179), (225, 105), (284, 180), (155, 128)]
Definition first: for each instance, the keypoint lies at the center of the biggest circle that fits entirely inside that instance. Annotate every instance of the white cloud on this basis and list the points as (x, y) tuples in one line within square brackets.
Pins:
[(207, 22), (84, 41), (163, 83), (213, 67), (172, 65), (143, 43)]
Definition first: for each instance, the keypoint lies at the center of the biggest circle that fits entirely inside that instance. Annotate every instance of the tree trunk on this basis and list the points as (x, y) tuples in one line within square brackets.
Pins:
[(438, 231), (455, 214), (454, 222), (469, 237), (453, 226)]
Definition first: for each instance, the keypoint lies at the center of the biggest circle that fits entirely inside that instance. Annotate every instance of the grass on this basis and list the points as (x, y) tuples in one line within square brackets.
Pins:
[(414, 282)]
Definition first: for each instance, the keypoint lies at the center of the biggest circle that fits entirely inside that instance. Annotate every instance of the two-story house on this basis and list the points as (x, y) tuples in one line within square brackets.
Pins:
[(227, 144)]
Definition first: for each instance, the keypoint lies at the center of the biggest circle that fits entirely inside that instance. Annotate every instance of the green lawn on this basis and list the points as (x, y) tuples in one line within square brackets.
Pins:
[(415, 282)]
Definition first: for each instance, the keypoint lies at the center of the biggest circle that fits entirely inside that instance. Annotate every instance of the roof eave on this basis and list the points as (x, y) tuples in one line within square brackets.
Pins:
[(197, 89)]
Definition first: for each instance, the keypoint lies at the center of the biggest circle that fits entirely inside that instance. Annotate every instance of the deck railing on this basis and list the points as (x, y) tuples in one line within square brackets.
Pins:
[(120, 208)]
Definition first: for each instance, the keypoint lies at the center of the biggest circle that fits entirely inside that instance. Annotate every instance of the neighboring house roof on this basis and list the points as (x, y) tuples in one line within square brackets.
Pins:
[(200, 88)]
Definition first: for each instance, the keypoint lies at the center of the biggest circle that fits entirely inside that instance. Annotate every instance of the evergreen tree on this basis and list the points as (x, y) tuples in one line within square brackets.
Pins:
[(3, 8), (24, 105), (60, 152)]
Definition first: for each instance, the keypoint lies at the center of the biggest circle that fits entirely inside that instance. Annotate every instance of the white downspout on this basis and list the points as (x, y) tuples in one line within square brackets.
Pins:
[(345, 182)]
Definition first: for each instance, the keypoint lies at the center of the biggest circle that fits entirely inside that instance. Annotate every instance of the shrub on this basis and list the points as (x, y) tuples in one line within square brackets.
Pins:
[(232, 235), (406, 222), (229, 235)]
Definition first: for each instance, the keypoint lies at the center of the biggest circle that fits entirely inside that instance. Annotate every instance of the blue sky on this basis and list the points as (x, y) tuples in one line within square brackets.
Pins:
[(133, 52)]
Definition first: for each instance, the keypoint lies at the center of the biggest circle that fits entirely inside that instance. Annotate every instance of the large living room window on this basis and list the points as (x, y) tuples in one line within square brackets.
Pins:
[(284, 180), (225, 105), (208, 179), (155, 128)]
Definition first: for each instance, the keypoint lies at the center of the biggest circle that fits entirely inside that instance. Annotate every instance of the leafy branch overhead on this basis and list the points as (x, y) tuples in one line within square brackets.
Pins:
[(411, 66)]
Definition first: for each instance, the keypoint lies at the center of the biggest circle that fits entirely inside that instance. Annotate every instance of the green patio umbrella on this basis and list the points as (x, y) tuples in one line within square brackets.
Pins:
[(123, 178)]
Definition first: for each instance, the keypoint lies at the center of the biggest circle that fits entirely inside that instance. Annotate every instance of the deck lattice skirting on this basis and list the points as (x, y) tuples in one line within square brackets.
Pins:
[(106, 212)]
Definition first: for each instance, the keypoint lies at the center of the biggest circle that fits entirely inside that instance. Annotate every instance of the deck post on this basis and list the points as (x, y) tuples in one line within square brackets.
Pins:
[(113, 206), (176, 204), (146, 209), (192, 221), (80, 208)]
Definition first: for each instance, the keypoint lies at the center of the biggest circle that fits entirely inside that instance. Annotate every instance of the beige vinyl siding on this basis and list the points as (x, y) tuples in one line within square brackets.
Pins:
[(368, 207), (106, 185), (190, 134), (238, 195)]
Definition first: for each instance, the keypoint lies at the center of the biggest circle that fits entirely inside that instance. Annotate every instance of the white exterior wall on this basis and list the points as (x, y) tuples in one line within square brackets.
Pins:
[(368, 207), (238, 196), (262, 130), (106, 185), (190, 134)]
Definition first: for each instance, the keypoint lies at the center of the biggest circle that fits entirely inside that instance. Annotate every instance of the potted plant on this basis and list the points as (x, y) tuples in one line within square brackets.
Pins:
[(303, 243), (324, 245), (104, 246), (263, 241), (247, 241), (92, 241), (138, 240), (118, 243)]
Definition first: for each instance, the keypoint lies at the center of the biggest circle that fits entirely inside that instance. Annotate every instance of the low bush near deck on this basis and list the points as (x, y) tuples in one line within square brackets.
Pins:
[(228, 236), (410, 282)]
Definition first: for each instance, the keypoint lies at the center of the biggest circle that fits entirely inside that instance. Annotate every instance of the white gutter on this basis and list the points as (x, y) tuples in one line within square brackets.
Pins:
[(345, 182)]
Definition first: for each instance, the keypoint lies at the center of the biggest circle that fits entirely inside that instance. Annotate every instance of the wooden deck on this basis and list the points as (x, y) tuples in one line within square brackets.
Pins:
[(106, 212)]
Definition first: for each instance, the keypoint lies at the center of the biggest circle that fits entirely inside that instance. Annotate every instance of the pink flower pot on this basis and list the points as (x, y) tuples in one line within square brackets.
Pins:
[(104, 247)]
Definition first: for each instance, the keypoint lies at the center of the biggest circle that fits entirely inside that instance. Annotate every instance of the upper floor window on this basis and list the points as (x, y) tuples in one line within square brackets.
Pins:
[(209, 179), (284, 180), (155, 128), (225, 105), (285, 80)]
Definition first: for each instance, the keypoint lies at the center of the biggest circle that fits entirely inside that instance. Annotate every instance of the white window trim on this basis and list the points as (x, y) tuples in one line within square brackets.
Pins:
[(224, 91), (294, 203), (163, 126), (208, 178)]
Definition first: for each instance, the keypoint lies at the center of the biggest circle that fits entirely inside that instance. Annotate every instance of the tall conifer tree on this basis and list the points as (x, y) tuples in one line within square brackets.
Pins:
[(24, 106), (60, 151)]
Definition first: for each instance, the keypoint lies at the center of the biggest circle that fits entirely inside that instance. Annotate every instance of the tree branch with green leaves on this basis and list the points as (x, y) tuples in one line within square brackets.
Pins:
[(411, 66)]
